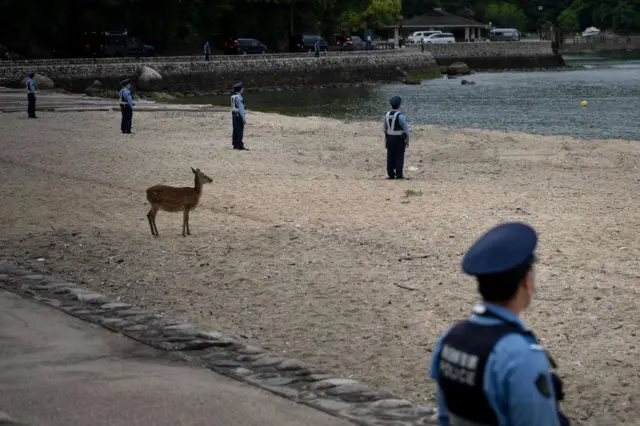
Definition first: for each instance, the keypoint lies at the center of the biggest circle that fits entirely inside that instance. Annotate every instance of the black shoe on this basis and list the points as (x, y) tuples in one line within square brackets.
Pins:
[(242, 148), (402, 177), (391, 177)]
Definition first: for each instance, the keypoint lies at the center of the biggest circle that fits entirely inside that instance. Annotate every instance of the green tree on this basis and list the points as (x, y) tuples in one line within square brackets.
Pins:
[(506, 15), (376, 14)]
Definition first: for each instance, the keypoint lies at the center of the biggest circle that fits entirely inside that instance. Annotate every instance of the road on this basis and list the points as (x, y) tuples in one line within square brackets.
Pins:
[(56, 370)]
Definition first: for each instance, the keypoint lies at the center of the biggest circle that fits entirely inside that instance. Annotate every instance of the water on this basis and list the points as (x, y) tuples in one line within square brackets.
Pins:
[(545, 103)]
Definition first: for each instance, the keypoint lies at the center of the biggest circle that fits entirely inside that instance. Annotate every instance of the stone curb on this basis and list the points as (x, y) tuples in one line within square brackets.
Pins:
[(288, 378), (187, 58)]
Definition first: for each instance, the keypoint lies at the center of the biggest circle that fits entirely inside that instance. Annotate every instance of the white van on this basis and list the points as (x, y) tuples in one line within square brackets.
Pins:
[(441, 38), (417, 36)]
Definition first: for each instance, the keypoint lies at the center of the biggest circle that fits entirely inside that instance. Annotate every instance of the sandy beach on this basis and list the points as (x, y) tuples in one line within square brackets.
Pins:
[(304, 247)]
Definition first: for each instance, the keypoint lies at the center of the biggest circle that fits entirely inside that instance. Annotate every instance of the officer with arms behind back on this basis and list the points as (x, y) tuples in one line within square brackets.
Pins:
[(490, 368), (31, 95), (126, 106), (396, 133), (238, 117)]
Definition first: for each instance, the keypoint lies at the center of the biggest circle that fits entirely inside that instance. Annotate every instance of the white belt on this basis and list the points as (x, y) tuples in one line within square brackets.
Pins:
[(394, 132), (235, 109), (124, 103)]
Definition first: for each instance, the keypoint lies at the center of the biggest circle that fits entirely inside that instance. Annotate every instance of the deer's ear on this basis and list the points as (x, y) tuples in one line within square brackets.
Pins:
[(193, 170)]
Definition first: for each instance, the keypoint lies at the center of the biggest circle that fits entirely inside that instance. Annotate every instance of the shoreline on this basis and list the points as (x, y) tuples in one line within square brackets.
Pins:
[(297, 243)]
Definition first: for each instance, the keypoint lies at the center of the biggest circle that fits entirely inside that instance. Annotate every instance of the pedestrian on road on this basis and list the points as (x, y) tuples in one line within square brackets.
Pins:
[(238, 117), (126, 106), (207, 51), (491, 369), (316, 47), (396, 133), (422, 44), (31, 95)]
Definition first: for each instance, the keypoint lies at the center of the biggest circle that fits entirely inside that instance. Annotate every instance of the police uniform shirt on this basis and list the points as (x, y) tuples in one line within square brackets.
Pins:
[(517, 378), (237, 106), (395, 124), (31, 86)]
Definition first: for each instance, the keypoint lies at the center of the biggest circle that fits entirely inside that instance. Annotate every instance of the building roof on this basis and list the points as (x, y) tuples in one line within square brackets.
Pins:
[(437, 18)]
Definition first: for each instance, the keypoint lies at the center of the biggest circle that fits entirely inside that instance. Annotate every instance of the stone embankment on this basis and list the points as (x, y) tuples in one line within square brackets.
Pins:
[(194, 75), (496, 55), (220, 73)]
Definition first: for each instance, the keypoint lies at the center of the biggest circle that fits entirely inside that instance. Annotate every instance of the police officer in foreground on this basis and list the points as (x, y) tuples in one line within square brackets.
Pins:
[(396, 132), (126, 106), (31, 95), (238, 117), (490, 369)]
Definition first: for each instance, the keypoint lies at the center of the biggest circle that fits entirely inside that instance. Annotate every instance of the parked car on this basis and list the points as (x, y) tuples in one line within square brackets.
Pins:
[(440, 38), (358, 43), (344, 42), (244, 46), (504, 34), (306, 43), (4, 53), (417, 36), (114, 43)]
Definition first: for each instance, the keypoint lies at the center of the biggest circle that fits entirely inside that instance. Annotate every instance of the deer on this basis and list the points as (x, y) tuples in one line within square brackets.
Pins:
[(174, 199)]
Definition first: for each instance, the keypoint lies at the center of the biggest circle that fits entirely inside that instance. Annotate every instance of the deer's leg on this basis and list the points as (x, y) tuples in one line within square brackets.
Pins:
[(188, 229), (185, 218), (152, 221)]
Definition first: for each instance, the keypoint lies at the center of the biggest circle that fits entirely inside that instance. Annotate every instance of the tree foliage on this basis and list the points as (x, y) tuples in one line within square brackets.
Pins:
[(376, 14), (506, 15)]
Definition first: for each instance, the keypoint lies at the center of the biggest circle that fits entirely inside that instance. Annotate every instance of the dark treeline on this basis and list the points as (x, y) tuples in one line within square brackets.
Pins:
[(38, 28)]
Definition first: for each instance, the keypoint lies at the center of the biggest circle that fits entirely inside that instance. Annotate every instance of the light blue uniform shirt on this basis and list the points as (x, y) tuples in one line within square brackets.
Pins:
[(402, 120), (512, 369), (207, 49), (237, 105), (31, 86), (126, 94)]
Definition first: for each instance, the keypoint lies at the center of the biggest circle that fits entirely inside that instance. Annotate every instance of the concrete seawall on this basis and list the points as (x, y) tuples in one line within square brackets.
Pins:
[(219, 75), (496, 55), (192, 74)]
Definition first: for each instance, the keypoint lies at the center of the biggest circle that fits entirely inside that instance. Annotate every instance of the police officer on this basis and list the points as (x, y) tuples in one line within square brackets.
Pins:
[(207, 51), (316, 48), (490, 369), (31, 95), (238, 116), (126, 106), (396, 131)]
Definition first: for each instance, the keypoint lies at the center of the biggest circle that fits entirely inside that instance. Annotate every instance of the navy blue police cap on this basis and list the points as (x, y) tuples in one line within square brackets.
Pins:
[(503, 248), (395, 101), (238, 85), (125, 81), (31, 74)]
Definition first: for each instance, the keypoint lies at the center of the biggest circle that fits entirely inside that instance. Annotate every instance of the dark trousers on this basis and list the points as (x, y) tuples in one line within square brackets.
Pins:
[(127, 118), (31, 108), (422, 46), (395, 157), (238, 130), (206, 56), (317, 53)]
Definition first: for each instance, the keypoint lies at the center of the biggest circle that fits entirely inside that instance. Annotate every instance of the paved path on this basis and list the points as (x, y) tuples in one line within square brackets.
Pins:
[(57, 370), (15, 100)]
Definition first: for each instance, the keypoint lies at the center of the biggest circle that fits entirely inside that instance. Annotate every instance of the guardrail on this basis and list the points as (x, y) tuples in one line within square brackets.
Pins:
[(379, 49)]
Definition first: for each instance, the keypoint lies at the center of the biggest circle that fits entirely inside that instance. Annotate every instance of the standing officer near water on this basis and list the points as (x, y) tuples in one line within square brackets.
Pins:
[(490, 369), (31, 95), (396, 133), (207, 51), (126, 106), (238, 117)]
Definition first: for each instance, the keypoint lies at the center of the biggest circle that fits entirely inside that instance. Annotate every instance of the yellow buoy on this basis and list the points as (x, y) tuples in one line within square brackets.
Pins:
[(584, 104)]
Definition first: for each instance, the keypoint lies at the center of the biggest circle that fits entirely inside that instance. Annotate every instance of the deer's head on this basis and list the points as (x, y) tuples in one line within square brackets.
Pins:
[(201, 176)]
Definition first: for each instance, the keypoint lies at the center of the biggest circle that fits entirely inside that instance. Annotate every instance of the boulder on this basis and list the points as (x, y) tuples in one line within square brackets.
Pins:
[(465, 82), (148, 78), (42, 82), (458, 68), (94, 88)]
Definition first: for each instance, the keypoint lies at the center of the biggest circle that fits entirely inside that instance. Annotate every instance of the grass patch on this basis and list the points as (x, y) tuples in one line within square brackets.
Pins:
[(412, 193)]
